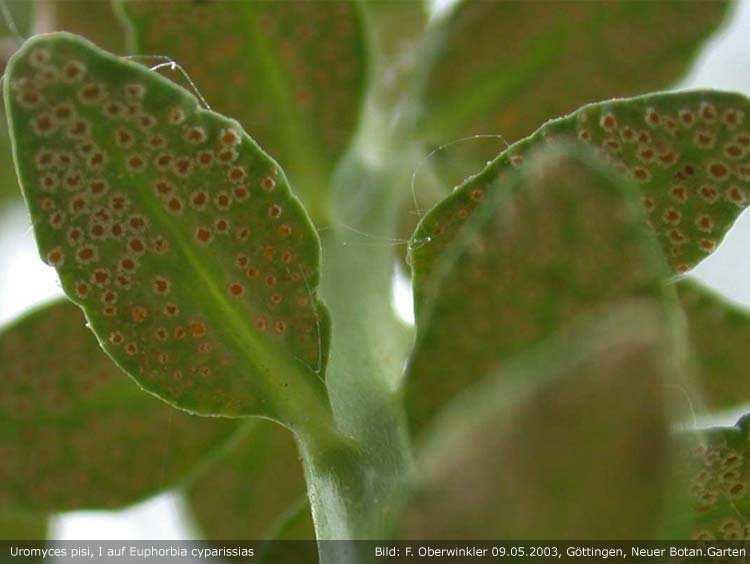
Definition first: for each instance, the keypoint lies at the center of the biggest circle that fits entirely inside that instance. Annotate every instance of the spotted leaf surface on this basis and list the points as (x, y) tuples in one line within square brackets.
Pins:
[(252, 489), (719, 332), (689, 152), (507, 67), (77, 433), (292, 73), (195, 265), (582, 414), (716, 478), (561, 237)]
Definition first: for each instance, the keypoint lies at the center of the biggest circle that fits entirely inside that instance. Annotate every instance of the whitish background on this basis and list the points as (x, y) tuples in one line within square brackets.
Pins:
[(25, 281)]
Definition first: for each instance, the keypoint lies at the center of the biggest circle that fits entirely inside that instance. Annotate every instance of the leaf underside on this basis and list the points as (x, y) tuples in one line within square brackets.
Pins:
[(688, 152), (715, 475), (292, 73), (77, 433), (719, 332), (557, 239), (569, 441), (195, 265), (252, 488)]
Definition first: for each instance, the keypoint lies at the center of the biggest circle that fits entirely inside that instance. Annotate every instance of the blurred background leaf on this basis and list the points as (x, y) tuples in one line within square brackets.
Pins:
[(570, 440), (507, 67), (19, 525), (76, 432), (719, 335), (255, 491), (93, 19), (21, 13), (562, 237), (292, 73)]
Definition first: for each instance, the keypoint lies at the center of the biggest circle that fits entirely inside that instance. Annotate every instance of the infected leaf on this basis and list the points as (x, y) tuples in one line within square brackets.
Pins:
[(507, 67), (561, 237), (196, 266), (715, 475), (719, 332), (254, 489), (688, 151), (75, 432), (568, 441), (292, 73)]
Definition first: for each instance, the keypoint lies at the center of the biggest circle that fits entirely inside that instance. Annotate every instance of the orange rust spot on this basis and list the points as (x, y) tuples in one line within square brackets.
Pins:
[(171, 310), (128, 264), (203, 235), (205, 158), (198, 329), (221, 225), (137, 246), (718, 170), (55, 257), (82, 289), (268, 184), (174, 205), (223, 201), (241, 193), (198, 200), (161, 285), (236, 289), (139, 314), (236, 174)]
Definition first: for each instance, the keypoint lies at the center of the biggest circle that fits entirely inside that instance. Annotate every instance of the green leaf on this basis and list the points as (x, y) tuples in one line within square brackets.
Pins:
[(688, 151), (507, 67), (714, 473), (195, 265), (93, 19), (255, 491), (75, 432), (719, 332), (570, 440), (293, 74), (560, 237), (16, 525), (22, 13), (9, 189)]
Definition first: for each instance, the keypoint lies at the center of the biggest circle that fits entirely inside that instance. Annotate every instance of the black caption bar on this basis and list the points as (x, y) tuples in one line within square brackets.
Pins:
[(396, 552)]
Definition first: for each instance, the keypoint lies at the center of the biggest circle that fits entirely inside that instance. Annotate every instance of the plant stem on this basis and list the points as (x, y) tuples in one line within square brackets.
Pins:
[(355, 482)]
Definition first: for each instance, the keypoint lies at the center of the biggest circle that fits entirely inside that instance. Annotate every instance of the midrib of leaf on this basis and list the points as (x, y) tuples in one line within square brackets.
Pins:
[(297, 140), (496, 84), (266, 363)]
